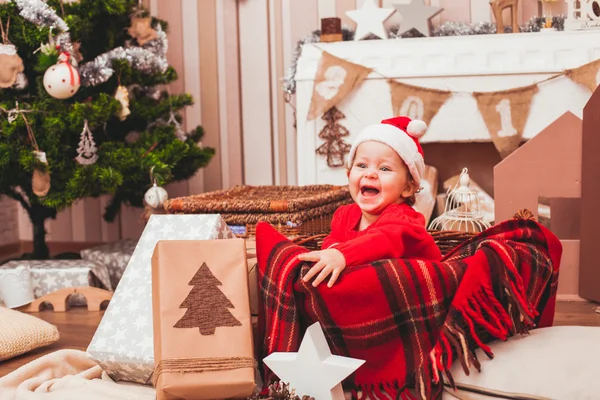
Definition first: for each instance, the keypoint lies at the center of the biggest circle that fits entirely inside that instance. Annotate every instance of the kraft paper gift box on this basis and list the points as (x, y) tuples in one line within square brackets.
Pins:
[(123, 343), (203, 346), (252, 275)]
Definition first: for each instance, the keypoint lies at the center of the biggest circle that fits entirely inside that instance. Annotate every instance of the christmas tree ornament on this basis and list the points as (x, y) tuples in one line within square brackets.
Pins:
[(314, 355), (40, 182), (369, 20), (11, 65), (132, 137), (122, 95), (61, 80), (87, 151), (141, 30), (76, 57), (21, 82), (416, 15), (179, 132), (156, 196)]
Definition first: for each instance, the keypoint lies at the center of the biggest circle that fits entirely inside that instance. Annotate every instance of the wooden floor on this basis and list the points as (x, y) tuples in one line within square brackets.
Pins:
[(77, 327)]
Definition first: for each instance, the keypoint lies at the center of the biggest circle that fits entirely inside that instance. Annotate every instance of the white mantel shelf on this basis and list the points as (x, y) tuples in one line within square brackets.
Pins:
[(455, 56), (460, 64)]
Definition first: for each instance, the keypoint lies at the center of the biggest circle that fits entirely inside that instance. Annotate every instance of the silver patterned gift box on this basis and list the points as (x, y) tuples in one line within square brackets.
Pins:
[(115, 256), (48, 276), (124, 342)]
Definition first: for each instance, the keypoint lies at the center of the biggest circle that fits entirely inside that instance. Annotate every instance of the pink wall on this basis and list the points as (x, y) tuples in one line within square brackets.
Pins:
[(231, 55)]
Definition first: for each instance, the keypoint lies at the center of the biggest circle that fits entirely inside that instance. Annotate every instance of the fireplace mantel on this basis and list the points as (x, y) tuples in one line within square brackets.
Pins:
[(460, 64)]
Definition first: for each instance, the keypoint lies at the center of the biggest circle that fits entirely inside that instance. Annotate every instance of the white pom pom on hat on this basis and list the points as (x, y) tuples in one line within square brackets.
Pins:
[(416, 128), (402, 135)]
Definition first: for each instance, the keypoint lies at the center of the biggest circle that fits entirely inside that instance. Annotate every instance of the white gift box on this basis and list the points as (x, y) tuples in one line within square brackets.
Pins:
[(48, 276), (115, 256), (124, 342)]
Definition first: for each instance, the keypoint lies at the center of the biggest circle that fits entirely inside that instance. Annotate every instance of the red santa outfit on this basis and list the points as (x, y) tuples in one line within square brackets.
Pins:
[(399, 232)]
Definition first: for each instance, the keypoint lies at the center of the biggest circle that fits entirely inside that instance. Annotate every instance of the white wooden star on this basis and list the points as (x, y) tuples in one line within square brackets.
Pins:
[(416, 14), (369, 20), (313, 370)]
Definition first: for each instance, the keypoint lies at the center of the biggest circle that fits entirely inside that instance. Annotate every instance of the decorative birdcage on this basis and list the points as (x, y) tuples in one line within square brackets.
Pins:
[(462, 211)]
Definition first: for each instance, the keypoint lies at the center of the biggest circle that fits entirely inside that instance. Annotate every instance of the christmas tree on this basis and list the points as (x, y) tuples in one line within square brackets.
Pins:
[(84, 107), (207, 307)]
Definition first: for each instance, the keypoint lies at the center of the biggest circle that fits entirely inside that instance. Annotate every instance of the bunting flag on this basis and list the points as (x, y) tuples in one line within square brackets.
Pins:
[(334, 80), (416, 102), (505, 114), (588, 75)]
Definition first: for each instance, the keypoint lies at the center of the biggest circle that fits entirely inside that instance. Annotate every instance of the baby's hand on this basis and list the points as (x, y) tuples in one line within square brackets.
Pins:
[(330, 261)]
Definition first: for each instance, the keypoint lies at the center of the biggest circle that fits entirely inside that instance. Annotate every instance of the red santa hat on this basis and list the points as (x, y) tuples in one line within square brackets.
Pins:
[(401, 134)]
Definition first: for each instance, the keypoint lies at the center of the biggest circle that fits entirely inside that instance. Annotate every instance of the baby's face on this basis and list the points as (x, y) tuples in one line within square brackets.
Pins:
[(378, 177)]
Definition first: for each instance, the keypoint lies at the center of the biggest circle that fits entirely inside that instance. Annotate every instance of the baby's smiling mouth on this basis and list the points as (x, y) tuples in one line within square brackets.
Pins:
[(369, 191)]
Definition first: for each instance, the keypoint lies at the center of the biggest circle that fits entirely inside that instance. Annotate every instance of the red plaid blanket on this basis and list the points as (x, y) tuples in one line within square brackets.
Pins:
[(410, 319)]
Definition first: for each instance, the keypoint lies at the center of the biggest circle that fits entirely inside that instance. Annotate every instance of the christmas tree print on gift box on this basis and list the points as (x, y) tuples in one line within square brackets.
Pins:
[(207, 306)]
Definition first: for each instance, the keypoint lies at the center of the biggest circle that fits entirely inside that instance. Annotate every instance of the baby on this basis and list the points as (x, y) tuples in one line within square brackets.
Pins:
[(385, 166)]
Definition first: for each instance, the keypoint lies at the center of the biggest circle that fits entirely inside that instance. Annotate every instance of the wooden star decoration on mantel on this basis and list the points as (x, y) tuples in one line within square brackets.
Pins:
[(369, 20), (417, 15), (313, 370)]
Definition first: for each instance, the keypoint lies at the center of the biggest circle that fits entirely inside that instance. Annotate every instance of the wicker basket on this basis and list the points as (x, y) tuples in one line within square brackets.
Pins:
[(293, 210), (445, 240)]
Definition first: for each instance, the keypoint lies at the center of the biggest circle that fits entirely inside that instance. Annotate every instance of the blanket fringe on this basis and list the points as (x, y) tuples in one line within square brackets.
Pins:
[(383, 391), (482, 313)]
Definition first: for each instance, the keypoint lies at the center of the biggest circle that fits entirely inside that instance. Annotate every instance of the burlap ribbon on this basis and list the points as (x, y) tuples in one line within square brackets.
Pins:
[(334, 80), (588, 74), (505, 114), (416, 102), (198, 365)]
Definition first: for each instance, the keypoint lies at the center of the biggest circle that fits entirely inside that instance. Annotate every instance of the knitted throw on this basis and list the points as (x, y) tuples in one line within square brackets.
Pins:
[(411, 319)]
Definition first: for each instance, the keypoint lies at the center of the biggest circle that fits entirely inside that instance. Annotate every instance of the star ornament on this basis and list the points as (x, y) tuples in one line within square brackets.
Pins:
[(313, 370), (369, 20), (417, 15)]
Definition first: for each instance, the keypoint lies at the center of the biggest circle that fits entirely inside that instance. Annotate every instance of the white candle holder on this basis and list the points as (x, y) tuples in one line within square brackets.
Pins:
[(16, 289)]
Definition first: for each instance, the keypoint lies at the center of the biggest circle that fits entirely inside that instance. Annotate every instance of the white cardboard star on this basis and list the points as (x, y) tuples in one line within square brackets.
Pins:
[(313, 370), (416, 14), (369, 20)]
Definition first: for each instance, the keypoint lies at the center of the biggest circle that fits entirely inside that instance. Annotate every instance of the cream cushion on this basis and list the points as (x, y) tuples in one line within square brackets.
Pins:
[(20, 333), (561, 362)]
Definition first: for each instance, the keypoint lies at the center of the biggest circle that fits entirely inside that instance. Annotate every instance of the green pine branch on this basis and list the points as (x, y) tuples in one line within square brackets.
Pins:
[(127, 149)]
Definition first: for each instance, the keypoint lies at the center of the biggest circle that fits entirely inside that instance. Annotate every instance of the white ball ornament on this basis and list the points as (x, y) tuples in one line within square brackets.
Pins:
[(156, 196), (61, 80)]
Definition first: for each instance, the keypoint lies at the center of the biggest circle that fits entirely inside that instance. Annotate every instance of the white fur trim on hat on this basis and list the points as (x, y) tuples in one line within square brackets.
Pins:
[(398, 140)]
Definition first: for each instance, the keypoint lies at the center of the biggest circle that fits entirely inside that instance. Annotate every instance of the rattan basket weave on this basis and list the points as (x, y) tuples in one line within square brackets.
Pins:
[(445, 240), (293, 210)]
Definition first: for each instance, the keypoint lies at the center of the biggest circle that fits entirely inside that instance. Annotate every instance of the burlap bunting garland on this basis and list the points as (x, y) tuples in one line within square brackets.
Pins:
[(416, 102), (334, 80), (505, 114), (588, 75)]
